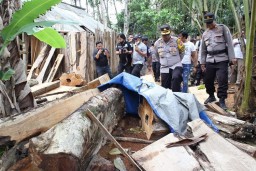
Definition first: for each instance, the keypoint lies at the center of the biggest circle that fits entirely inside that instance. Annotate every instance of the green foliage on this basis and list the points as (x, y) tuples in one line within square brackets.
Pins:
[(23, 20), (51, 37), (6, 75), (146, 16), (30, 11)]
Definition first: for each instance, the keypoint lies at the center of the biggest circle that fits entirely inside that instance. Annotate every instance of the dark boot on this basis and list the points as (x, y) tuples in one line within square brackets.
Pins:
[(210, 99), (222, 104)]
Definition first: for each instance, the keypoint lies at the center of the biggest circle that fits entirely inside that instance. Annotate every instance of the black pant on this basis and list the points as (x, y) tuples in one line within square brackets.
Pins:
[(173, 79), (122, 67), (220, 70), (136, 70), (156, 70)]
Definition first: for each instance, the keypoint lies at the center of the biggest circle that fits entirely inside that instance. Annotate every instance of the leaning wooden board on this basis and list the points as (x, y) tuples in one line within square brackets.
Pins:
[(43, 118), (156, 157), (221, 154)]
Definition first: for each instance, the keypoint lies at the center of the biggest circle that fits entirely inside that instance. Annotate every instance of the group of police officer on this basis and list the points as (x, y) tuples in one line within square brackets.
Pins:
[(215, 55)]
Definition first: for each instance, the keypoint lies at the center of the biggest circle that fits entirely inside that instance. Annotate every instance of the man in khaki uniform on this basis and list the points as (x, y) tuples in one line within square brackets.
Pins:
[(217, 53), (169, 50)]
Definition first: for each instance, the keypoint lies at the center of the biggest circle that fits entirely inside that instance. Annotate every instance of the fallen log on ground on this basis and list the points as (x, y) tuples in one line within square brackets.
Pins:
[(232, 127), (134, 140), (70, 144), (43, 118), (251, 150)]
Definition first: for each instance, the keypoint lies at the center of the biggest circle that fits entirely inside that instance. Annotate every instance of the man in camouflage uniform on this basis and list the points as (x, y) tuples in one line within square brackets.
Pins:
[(170, 49), (217, 53)]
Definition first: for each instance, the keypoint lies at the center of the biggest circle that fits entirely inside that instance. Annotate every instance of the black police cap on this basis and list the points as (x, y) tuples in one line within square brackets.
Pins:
[(144, 38), (137, 36), (165, 29), (209, 17)]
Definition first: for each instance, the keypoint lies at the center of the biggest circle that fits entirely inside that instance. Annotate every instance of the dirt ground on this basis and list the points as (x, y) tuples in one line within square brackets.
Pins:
[(129, 126)]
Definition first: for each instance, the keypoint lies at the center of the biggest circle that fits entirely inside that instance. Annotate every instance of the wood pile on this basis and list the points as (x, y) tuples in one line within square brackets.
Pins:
[(213, 153)]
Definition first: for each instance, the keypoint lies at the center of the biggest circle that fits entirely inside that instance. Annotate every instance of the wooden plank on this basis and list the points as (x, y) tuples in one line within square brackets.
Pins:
[(221, 154), (105, 131), (73, 51), (147, 115), (98, 81), (71, 79), (251, 150), (81, 69), (43, 88), (38, 61), (54, 68), (214, 107), (47, 62), (60, 92), (156, 156), (43, 118)]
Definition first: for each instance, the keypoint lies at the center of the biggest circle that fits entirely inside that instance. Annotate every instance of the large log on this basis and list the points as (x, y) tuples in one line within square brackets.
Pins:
[(43, 118), (70, 144), (232, 127)]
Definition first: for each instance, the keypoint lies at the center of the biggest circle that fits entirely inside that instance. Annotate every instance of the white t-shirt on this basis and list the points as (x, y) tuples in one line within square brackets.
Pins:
[(189, 48), (237, 49)]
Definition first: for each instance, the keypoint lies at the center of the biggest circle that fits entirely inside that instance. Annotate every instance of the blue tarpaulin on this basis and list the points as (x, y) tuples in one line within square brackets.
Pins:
[(175, 108)]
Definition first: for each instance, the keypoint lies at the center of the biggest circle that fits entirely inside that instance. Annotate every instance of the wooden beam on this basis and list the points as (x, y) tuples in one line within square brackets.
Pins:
[(43, 118), (146, 115), (47, 62), (44, 88), (220, 153), (71, 79), (38, 61), (105, 131), (98, 81), (54, 68)]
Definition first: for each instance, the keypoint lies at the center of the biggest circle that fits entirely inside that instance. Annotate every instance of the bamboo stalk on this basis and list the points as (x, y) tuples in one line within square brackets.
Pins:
[(238, 24), (247, 19), (249, 61)]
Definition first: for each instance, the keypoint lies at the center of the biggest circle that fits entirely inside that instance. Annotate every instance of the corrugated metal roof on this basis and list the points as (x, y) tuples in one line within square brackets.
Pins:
[(67, 12)]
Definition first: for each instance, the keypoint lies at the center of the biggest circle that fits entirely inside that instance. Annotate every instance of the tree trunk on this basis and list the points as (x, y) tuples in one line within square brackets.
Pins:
[(246, 96), (126, 17), (17, 88), (71, 144)]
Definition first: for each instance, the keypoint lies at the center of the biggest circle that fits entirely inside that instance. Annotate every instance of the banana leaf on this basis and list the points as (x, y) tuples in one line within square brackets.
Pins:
[(51, 37)]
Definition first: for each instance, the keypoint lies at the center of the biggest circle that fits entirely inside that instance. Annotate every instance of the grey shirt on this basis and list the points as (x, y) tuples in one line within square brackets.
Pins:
[(216, 39), (137, 58), (168, 54)]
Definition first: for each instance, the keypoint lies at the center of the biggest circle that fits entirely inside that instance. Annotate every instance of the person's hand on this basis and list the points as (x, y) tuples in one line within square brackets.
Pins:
[(136, 48), (194, 70), (106, 52), (203, 67), (120, 51), (234, 61), (100, 51)]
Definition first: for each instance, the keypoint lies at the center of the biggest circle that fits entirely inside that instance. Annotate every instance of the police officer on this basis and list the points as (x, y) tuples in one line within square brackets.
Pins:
[(217, 53), (170, 49)]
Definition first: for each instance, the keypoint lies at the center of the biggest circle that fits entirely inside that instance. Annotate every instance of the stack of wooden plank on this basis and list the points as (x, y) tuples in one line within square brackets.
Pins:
[(214, 153)]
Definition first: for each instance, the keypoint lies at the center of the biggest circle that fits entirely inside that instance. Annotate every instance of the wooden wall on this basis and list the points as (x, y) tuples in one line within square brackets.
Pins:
[(78, 52)]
